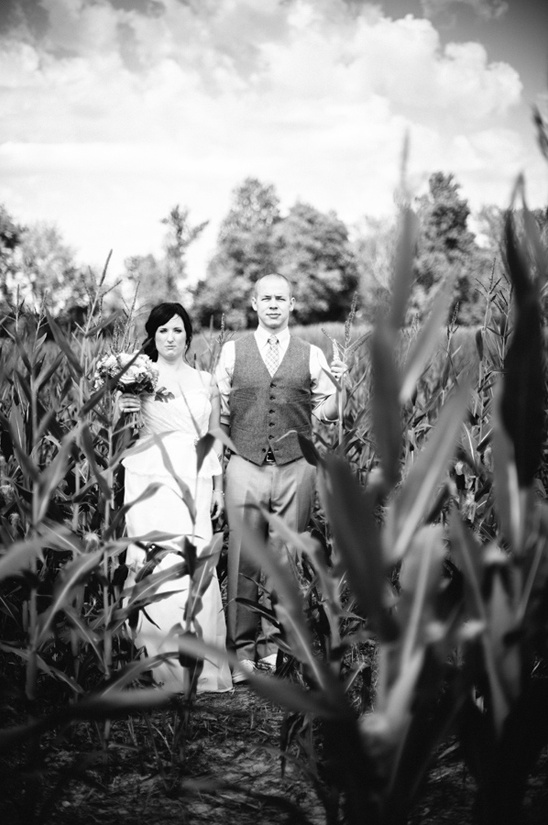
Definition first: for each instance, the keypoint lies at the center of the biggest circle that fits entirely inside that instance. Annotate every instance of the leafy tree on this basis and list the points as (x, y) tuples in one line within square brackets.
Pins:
[(245, 243), (38, 268), (490, 223), (310, 248), (163, 279), (180, 235), (146, 274), (245, 252), (10, 254), (50, 271), (374, 248), (447, 248), (223, 294), (491, 220), (315, 253), (10, 232)]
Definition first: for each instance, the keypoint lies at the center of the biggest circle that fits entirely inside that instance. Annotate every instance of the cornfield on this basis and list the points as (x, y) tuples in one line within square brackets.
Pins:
[(419, 610)]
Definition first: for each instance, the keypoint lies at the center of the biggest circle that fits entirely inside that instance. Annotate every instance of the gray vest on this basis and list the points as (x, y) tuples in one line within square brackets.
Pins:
[(265, 408)]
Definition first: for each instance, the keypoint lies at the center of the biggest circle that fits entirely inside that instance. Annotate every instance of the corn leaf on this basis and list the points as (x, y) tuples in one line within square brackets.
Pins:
[(289, 695), (47, 372), (403, 275), (387, 424), (53, 473), (74, 573), (414, 498), (204, 445), (88, 446), (65, 346), (509, 498), (16, 429), (112, 703), (309, 451), (95, 706), (23, 385), (523, 400), (93, 331), (289, 607), (467, 551), (19, 557), (202, 574), (502, 621), (426, 342), (328, 703), (219, 433), (140, 592), (420, 577), (44, 667), (350, 513)]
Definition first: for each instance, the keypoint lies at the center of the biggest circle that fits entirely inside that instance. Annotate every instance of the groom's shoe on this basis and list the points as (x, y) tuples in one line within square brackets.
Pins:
[(240, 674), (268, 662)]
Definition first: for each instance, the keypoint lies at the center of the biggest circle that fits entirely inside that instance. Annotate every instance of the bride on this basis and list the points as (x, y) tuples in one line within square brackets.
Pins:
[(165, 455)]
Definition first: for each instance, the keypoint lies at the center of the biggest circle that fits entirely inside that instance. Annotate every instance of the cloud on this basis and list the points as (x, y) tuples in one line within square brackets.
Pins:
[(225, 62), (115, 111), (485, 9)]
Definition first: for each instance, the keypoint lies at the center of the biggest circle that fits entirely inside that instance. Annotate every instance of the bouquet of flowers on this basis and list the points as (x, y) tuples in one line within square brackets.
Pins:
[(133, 373)]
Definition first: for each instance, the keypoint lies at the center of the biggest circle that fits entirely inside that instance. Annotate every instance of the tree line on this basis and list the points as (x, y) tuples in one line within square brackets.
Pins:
[(324, 259)]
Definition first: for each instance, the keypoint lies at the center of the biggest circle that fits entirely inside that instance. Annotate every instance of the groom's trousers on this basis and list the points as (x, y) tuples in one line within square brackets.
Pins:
[(288, 491)]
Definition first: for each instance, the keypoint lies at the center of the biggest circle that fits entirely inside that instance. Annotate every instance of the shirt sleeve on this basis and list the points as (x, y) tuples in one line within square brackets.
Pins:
[(321, 385), (223, 377)]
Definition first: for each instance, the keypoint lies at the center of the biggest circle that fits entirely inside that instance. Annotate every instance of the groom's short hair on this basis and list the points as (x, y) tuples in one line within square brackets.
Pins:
[(274, 275)]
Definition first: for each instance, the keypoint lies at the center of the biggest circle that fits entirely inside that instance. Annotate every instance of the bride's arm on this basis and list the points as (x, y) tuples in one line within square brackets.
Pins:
[(215, 416), (214, 423)]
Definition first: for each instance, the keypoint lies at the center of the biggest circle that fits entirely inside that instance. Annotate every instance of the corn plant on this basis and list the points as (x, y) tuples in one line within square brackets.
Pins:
[(453, 596), (64, 606)]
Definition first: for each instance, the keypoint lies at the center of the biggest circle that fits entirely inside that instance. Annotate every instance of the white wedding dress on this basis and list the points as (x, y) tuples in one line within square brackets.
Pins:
[(164, 454)]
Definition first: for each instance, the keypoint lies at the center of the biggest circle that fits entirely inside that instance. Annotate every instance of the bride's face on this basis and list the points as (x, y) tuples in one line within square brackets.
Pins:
[(170, 339)]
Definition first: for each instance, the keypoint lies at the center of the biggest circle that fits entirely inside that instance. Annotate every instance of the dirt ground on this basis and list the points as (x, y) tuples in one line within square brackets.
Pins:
[(225, 769)]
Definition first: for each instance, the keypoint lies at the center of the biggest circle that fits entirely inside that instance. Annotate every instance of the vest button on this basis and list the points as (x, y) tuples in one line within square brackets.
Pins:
[(270, 436)]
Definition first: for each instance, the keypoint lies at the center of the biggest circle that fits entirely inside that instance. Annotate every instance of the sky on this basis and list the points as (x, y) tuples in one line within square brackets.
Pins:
[(114, 111)]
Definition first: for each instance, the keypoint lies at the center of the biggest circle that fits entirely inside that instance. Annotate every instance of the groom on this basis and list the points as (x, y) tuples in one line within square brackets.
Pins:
[(270, 383)]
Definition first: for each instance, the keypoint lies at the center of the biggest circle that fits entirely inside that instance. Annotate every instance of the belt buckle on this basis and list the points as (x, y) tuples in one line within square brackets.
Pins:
[(269, 458)]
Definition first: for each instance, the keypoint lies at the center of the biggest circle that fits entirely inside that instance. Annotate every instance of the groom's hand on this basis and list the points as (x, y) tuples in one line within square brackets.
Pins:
[(217, 504)]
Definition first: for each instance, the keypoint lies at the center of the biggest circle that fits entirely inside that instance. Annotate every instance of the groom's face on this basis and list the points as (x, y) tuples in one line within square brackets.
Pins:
[(273, 303)]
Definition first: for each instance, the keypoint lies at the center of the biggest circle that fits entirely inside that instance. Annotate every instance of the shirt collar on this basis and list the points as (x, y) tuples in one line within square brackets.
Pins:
[(262, 336)]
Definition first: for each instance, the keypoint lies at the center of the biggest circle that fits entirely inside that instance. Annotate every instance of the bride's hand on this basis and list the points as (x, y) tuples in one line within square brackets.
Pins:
[(128, 403), (217, 504)]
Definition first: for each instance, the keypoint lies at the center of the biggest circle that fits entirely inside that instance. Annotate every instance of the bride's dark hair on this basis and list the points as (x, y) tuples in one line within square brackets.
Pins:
[(160, 315)]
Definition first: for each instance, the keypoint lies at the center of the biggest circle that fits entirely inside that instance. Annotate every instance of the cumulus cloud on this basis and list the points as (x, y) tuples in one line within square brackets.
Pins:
[(485, 9), (164, 102), (237, 60)]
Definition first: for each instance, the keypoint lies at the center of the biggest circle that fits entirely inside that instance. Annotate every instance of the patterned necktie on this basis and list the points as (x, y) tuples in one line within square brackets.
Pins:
[(272, 358)]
